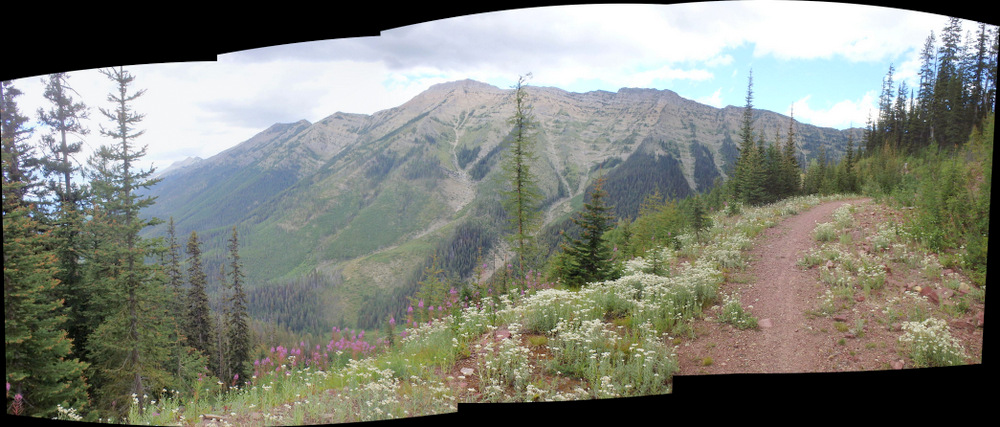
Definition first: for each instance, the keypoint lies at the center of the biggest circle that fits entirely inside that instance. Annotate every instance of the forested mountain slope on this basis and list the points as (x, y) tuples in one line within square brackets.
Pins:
[(360, 203)]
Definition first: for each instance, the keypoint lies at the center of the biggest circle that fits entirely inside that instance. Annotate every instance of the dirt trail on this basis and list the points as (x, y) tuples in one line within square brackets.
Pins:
[(778, 293)]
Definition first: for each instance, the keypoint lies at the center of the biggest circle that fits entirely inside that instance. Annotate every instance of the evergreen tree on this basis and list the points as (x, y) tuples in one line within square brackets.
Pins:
[(791, 170), (774, 179), (589, 257), (521, 198), (848, 182), (172, 268), (59, 165), (129, 349), (886, 119), (699, 219), (38, 352), (200, 333), (980, 62), (949, 128), (240, 339), (21, 165), (64, 119), (748, 173), (185, 360), (925, 94)]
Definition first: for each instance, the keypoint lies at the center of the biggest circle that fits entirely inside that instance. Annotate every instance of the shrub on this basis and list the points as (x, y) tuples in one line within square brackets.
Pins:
[(825, 232), (734, 314), (930, 344)]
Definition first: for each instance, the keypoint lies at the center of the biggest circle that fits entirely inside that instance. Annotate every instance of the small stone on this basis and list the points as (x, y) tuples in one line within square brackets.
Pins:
[(467, 371), (930, 294), (765, 323), (896, 364)]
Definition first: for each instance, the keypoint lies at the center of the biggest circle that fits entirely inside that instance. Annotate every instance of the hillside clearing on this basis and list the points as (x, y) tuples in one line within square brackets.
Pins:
[(804, 286)]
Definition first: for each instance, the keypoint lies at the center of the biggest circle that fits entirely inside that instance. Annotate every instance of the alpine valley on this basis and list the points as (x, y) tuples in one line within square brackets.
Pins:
[(340, 218)]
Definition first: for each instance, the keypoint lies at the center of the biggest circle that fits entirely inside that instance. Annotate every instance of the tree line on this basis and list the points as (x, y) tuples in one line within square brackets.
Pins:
[(96, 316)]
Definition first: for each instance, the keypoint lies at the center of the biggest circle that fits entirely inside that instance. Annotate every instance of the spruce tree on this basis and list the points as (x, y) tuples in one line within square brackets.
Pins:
[(200, 333), (589, 257), (186, 362), (521, 197), (748, 173), (20, 166), (39, 361), (791, 176), (61, 145), (240, 339), (699, 219), (129, 349), (925, 94), (65, 121), (949, 102)]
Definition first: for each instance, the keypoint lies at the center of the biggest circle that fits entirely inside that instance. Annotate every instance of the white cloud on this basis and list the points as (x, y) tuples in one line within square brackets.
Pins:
[(843, 114), (715, 99)]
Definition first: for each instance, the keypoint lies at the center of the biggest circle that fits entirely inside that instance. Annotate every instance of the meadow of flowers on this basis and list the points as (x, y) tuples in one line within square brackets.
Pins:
[(534, 341)]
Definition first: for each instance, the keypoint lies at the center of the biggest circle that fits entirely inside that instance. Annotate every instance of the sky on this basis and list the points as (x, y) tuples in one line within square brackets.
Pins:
[(823, 62)]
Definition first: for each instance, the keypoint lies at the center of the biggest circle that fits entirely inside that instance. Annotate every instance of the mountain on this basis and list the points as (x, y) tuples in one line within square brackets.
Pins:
[(359, 204), (176, 166)]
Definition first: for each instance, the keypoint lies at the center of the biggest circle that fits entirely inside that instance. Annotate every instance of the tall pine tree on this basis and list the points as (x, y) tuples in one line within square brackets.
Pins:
[(521, 197), (748, 174), (129, 349), (198, 319), (240, 339), (61, 145)]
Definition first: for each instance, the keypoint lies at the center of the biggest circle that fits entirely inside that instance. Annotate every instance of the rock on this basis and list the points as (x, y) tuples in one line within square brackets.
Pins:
[(964, 288), (765, 323), (930, 294), (896, 364), (467, 371), (840, 318), (980, 318), (502, 335)]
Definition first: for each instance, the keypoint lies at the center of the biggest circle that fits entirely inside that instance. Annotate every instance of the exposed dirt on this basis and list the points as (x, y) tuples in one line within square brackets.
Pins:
[(793, 336)]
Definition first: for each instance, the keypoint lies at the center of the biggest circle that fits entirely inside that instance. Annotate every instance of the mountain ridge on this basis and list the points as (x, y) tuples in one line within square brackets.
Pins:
[(369, 198)]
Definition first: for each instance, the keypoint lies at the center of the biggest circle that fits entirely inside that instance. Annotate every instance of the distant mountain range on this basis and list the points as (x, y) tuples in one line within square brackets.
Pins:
[(360, 203)]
